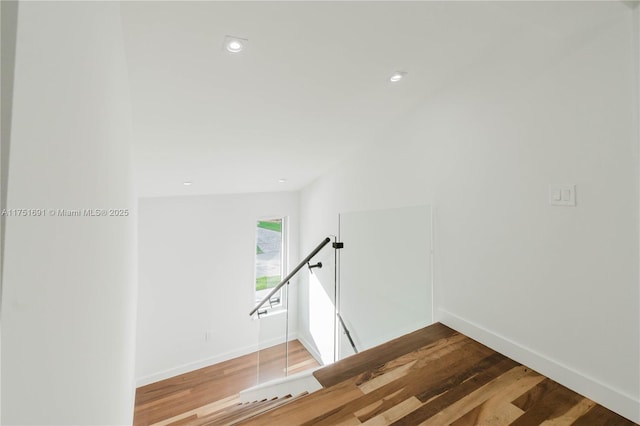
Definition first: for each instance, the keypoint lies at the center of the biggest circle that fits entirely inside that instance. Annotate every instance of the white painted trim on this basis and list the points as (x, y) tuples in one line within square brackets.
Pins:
[(192, 366), (601, 393)]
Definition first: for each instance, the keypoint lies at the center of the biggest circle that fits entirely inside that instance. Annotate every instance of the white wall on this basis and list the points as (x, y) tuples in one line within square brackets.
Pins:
[(553, 287), (196, 274), (69, 284)]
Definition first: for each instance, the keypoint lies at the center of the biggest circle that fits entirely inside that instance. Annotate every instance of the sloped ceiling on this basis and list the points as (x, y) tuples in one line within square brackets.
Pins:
[(311, 87)]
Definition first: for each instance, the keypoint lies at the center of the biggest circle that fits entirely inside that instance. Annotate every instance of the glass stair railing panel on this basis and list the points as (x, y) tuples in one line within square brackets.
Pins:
[(273, 338)]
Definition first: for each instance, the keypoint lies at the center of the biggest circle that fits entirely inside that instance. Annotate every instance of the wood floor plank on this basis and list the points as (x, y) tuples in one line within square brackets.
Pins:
[(182, 396), (439, 377), (241, 413), (185, 421), (547, 401), (394, 413), (434, 374), (475, 398), (307, 409), (378, 407), (498, 410), (600, 416), (367, 360), (570, 416), (384, 379), (350, 421), (440, 401), (499, 413), (449, 378), (203, 411), (419, 357)]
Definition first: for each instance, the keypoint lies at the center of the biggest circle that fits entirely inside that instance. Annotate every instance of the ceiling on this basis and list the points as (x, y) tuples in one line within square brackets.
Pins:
[(311, 87)]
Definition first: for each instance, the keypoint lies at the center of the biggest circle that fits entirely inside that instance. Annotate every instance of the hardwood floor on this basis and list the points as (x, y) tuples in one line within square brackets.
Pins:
[(184, 399), (436, 376)]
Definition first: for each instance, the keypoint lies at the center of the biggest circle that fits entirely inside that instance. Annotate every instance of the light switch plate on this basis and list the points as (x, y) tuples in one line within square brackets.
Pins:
[(562, 194)]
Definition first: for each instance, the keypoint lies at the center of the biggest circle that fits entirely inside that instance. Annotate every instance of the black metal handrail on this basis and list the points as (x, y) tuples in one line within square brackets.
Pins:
[(291, 274)]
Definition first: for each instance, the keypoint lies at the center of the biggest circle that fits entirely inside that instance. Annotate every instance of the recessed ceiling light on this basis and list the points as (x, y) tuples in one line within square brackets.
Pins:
[(397, 76), (187, 183), (282, 180), (234, 44)]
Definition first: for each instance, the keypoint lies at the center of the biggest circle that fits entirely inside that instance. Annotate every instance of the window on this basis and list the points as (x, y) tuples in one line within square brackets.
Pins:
[(270, 261)]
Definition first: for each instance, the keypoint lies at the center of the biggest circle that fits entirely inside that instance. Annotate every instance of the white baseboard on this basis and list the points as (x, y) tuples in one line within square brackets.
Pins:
[(311, 348), (195, 365), (616, 401)]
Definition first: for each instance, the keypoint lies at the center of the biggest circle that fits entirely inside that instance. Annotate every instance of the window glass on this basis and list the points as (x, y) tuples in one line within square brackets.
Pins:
[(269, 260)]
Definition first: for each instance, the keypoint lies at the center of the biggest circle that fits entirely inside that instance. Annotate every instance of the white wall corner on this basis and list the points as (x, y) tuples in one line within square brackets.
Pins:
[(310, 347), (617, 401)]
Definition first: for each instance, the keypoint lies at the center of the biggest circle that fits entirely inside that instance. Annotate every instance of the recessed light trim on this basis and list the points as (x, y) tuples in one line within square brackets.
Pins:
[(234, 44), (397, 76), (187, 183)]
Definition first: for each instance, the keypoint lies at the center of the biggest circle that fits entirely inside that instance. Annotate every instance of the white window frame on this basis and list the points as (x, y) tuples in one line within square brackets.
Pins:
[(267, 309)]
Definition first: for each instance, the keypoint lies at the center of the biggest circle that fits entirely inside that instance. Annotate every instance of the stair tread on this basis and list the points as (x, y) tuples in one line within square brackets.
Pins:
[(222, 415), (241, 412), (370, 359)]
